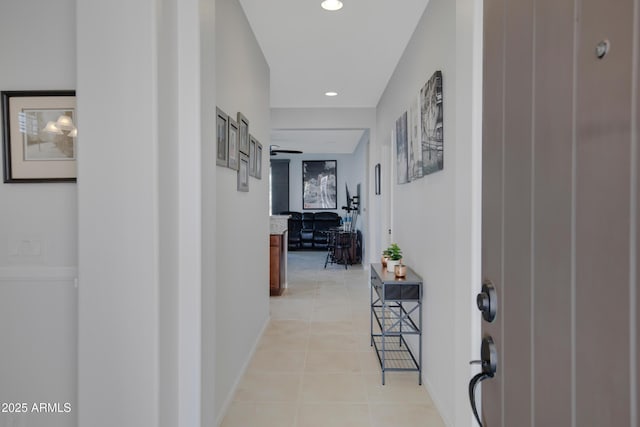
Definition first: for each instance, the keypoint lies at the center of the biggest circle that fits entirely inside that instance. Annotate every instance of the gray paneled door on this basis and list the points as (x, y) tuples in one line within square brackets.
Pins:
[(560, 211)]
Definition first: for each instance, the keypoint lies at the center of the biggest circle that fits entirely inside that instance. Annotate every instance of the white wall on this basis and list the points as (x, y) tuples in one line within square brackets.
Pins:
[(242, 219), (360, 175), (436, 219), (208, 220), (38, 299), (118, 217), (169, 217), (139, 201)]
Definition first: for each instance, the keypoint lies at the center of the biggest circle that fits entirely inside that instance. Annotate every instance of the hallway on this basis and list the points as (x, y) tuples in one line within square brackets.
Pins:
[(314, 366)]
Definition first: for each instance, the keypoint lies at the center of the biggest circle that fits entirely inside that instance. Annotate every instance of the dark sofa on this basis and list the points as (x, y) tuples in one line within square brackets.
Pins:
[(309, 230)]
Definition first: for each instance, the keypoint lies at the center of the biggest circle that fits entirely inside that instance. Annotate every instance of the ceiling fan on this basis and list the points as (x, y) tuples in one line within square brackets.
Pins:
[(274, 151)]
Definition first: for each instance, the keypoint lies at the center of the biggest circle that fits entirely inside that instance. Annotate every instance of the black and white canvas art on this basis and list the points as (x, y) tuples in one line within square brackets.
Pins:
[(402, 165), (319, 184), (418, 134), (415, 140), (432, 130)]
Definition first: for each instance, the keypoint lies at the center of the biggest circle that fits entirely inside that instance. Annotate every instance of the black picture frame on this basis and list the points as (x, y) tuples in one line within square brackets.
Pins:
[(319, 184), (222, 138), (232, 151), (37, 147), (253, 144), (376, 177), (258, 160), (243, 173), (243, 126)]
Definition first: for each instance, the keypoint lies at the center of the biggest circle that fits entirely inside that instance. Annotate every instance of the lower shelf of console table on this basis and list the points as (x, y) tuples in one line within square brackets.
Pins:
[(394, 354)]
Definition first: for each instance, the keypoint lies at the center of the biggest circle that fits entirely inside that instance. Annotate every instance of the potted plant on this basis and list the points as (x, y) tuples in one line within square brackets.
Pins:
[(385, 257), (395, 256)]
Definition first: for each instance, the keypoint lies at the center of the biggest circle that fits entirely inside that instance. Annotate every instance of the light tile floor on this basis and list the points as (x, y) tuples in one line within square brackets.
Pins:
[(314, 366)]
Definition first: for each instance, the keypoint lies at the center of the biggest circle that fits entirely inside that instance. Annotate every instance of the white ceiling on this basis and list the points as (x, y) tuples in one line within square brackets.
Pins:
[(318, 140), (310, 51)]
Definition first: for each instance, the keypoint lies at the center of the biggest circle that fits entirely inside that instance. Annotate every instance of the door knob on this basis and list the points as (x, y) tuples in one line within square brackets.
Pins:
[(489, 362), (487, 301)]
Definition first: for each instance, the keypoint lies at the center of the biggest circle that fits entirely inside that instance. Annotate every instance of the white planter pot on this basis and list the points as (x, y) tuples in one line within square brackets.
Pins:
[(391, 264)]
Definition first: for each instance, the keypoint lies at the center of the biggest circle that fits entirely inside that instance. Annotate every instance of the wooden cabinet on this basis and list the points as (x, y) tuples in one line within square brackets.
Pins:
[(354, 252), (277, 263)]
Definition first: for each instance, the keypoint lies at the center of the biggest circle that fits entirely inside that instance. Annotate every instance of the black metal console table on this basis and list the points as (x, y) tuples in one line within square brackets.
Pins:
[(393, 300)]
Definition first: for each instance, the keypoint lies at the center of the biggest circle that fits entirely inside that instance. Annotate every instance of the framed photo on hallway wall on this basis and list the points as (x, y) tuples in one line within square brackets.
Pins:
[(233, 152), (39, 136), (243, 173), (243, 129), (222, 138), (253, 146), (319, 184)]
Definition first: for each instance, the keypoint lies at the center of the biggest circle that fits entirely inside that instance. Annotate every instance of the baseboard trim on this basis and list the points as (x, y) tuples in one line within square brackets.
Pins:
[(243, 371), (436, 401), (38, 274)]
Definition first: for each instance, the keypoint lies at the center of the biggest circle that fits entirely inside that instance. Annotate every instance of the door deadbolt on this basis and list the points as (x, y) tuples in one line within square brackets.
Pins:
[(487, 301)]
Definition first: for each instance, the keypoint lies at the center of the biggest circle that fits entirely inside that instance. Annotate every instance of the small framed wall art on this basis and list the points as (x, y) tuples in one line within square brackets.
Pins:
[(258, 160), (222, 140), (243, 173), (39, 136), (243, 129), (233, 144), (252, 155)]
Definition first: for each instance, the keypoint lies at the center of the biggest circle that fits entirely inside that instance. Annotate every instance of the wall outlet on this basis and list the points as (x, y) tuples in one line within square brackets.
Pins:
[(25, 248)]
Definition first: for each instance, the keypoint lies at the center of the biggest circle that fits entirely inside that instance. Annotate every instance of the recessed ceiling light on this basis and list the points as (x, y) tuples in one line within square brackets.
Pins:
[(331, 5), (331, 93)]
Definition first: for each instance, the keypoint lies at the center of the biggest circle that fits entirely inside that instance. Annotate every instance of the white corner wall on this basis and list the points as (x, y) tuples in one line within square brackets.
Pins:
[(118, 217), (38, 298), (242, 218), (208, 197), (139, 202), (436, 219)]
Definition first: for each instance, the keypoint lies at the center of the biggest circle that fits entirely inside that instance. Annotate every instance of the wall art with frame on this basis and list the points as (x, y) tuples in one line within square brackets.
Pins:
[(319, 184), (418, 134), (432, 108), (243, 129), (222, 138), (253, 144), (255, 157), (233, 152), (258, 160), (243, 173), (39, 136)]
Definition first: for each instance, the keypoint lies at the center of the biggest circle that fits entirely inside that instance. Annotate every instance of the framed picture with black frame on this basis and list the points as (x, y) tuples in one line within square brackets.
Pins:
[(233, 152), (319, 184), (252, 155), (376, 178), (258, 160), (243, 173), (39, 136), (243, 129), (222, 140)]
